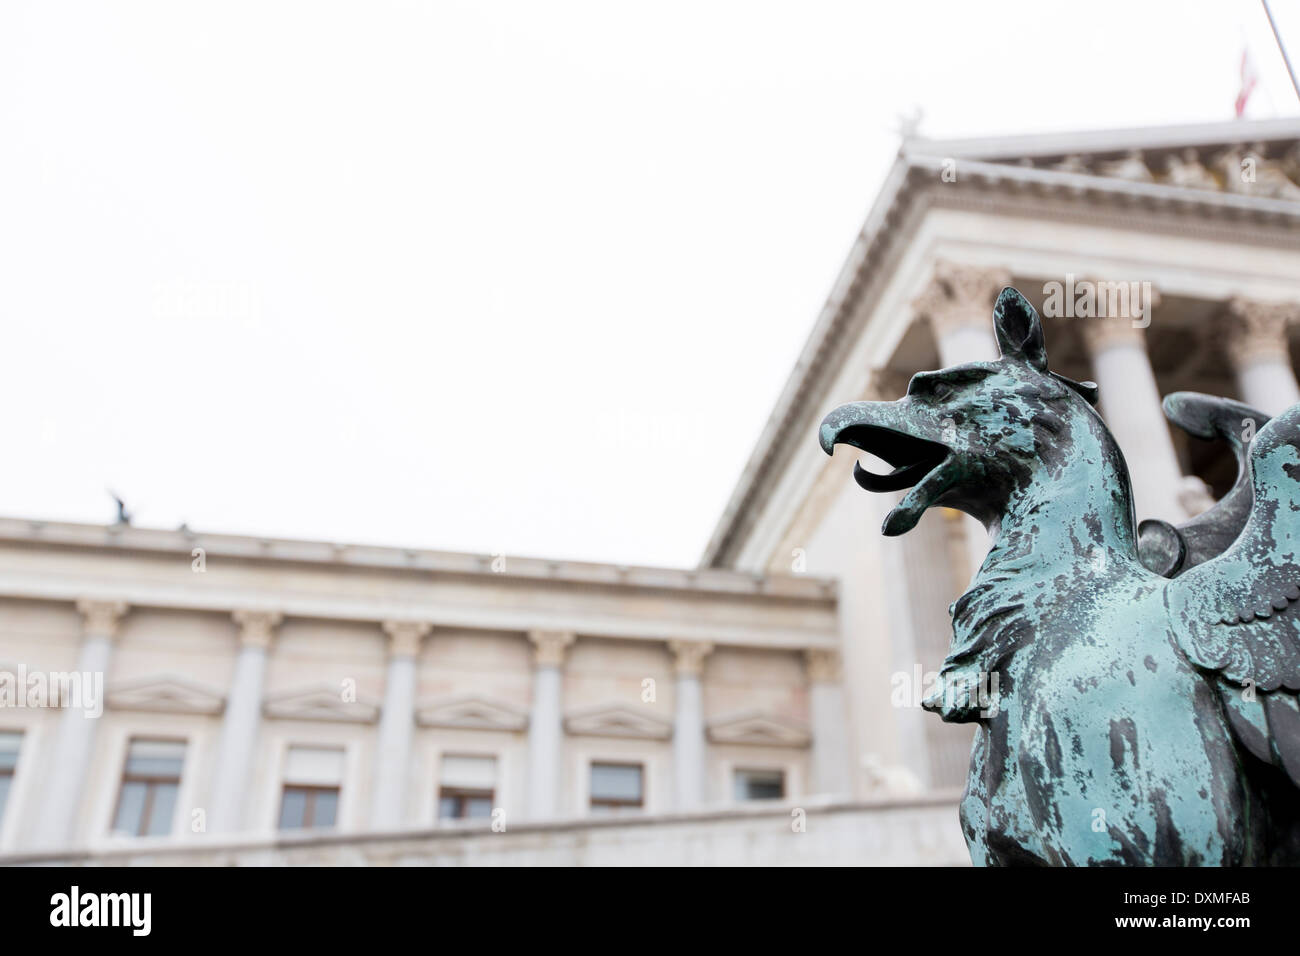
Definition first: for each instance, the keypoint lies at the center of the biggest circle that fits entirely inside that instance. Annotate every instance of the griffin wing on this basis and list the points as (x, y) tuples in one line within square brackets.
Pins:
[(1238, 614), (1170, 550)]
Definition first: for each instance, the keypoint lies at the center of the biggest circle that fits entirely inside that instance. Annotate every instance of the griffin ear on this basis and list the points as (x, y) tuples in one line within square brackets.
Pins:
[(1019, 330)]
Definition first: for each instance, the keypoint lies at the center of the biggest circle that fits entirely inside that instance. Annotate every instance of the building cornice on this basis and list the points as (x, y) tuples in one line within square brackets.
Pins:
[(358, 557), (1032, 146), (66, 564)]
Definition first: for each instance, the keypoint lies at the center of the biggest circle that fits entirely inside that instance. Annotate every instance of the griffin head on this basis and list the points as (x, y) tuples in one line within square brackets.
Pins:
[(964, 437)]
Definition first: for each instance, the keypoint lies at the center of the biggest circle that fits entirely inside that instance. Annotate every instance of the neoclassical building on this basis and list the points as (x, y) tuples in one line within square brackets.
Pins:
[(272, 701), (256, 688), (1189, 237)]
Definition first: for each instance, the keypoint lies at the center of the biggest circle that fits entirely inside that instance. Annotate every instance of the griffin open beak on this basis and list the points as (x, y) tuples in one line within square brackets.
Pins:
[(884, 429)]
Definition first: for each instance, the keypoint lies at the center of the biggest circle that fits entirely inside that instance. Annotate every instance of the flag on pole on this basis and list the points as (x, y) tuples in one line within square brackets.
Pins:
[(1248, 80)]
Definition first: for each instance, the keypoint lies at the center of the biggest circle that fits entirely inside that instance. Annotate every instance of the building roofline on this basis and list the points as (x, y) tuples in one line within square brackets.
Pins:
[(1228, 133), (135, 539)]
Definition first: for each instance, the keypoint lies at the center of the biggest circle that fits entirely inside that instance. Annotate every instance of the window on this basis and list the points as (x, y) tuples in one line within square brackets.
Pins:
[(616, 787), (152, 778), (313, 777), (760, 785), (9, 743), (466, 787)]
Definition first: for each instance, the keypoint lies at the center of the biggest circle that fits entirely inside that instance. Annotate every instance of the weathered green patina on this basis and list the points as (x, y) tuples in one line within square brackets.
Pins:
[(1142, 717)]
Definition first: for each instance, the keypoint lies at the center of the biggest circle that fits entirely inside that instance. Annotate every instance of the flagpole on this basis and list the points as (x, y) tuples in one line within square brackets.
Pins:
[(1281, 48)]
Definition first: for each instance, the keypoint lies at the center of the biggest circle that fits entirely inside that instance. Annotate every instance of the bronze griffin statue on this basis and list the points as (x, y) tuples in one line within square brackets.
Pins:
[(1146, 711)]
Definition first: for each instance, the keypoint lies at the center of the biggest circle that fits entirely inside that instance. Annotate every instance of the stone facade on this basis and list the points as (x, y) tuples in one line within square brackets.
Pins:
[(241, 651)]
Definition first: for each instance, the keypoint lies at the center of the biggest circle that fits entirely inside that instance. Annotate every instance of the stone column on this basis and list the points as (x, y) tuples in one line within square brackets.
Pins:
[(689, 747), (958, 304), (907, 619), (1130, 403), (831, 770), (236, 749), (1255, 340), (396, 724), (546, 724), (70, 759)]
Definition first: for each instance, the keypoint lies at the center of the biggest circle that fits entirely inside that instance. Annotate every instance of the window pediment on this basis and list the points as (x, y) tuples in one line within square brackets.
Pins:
[(471, 712), (617, 720), (165, 693), (322, 702), (755, 728)]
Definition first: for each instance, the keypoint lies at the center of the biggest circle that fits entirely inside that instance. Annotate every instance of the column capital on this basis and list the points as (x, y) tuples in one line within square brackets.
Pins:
[(256, 628), (960, 296), (101, 618), (823, 664), (1255, 330), (549, 646), (404, 637), (688, 657)]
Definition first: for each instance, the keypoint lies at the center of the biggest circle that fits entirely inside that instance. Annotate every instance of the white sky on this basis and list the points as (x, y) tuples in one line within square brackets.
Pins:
[(521, 278)]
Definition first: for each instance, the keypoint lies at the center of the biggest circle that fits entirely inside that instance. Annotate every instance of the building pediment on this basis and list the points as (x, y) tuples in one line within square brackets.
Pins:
[(165, 693), (757, 729), (324, 702), (471, 712), (617, 720)]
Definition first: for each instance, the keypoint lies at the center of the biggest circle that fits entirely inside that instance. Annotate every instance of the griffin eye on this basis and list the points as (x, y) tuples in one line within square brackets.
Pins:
[(942, 385), (939, 388)]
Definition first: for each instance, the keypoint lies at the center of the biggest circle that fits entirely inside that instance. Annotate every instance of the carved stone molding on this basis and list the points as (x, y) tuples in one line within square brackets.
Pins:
[(1132, 166), (1257, 331), (550, 646), (617, 720), (960, 296), (471, 712), (1074, 163), (320, 702), (823, 665), (404, 637), (1188, 171), (165, 693), (758, 729), (1250, 172), (688, 657), (256, 628), (101, 618)]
